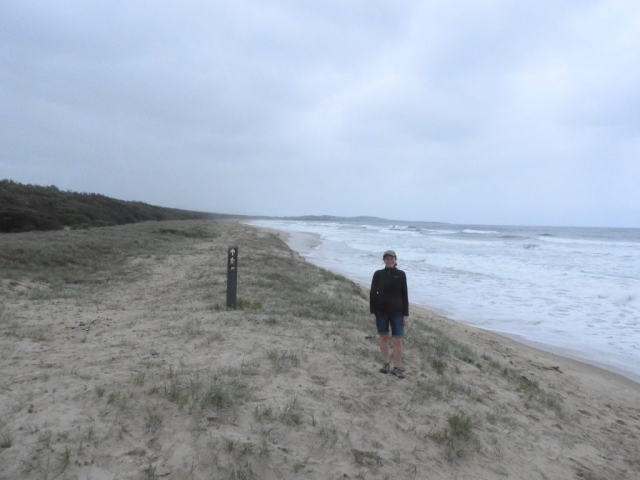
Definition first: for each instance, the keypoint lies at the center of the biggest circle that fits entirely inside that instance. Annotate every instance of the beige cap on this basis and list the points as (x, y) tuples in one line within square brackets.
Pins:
[(389, 252)]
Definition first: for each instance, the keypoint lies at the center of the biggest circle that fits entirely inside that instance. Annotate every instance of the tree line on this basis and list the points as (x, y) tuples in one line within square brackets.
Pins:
[(26, 207)]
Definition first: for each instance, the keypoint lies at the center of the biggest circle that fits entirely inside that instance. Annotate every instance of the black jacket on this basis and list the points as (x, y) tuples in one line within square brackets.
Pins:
[(389, 292)]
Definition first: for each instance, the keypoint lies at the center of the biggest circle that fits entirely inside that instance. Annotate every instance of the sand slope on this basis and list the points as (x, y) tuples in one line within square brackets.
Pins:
[(148, 377)]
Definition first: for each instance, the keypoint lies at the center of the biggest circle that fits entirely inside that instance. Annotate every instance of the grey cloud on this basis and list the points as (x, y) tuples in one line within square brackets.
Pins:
[(475, 111)]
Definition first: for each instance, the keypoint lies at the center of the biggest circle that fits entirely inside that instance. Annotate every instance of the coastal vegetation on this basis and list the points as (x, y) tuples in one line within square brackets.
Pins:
[(25, 208)]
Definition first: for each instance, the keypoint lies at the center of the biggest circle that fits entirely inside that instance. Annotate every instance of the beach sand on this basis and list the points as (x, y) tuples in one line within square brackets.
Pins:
[(148, 376)]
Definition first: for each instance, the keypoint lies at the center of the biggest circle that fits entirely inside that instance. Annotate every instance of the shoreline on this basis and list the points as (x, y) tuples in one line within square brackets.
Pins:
[(303, 242), (566, 354)]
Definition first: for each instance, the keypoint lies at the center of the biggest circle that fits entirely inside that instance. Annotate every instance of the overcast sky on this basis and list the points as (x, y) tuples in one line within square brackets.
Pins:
[(476, 111)]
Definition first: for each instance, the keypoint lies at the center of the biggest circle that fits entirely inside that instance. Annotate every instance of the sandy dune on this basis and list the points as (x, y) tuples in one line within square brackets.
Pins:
[(148, 376)]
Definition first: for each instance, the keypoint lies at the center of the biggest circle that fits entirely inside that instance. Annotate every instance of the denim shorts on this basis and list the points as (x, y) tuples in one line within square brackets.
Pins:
[(383, 320)]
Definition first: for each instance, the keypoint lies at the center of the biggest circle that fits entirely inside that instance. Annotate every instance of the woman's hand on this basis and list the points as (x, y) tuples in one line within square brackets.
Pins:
[(405, 321), (372, 318)]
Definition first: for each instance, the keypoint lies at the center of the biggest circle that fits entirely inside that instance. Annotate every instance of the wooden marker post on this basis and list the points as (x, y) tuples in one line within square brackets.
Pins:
[(232, 276)]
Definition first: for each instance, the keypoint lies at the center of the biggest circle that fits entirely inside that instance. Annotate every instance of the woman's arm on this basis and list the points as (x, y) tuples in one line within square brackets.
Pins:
[(405, 297), (373, 293)]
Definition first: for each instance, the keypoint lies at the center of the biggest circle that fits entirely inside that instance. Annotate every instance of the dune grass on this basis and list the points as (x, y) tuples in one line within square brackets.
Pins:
[(67, 259)]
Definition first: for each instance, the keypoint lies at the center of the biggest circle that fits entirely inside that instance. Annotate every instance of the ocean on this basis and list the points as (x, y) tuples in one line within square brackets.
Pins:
[(572, 291)]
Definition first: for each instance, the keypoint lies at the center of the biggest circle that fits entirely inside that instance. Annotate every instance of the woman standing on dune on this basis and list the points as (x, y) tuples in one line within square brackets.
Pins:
[(389, 308)]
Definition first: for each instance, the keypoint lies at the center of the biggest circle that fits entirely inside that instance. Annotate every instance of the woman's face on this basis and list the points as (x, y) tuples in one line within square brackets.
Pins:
[(389, 261)]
